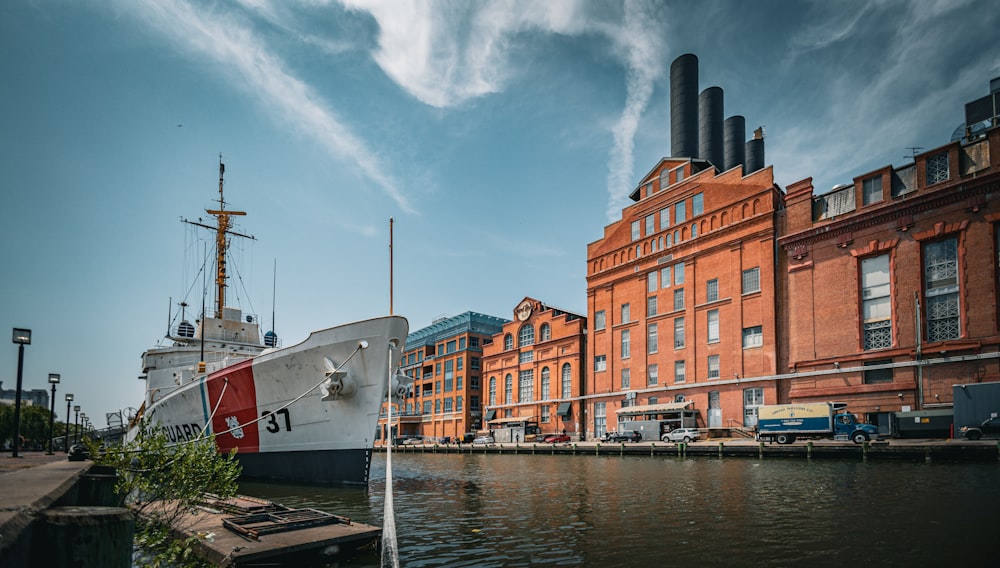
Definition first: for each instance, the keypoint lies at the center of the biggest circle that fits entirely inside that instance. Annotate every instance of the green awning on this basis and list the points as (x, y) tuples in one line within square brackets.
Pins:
[(490, 415), (564, 409)]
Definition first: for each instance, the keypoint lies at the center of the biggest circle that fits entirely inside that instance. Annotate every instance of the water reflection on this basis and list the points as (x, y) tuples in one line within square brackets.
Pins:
[(509, 510)]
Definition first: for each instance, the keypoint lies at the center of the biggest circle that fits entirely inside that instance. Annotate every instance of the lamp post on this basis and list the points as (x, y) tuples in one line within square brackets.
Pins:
[(76, 423), (69, 399), (21, 337), (53, 380)]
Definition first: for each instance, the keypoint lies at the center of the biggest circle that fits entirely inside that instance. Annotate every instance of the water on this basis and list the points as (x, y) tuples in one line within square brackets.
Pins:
[(488, 510)]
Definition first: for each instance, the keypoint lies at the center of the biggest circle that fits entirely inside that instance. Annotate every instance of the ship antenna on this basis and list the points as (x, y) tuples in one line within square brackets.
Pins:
[(274, 286), (390, 265)]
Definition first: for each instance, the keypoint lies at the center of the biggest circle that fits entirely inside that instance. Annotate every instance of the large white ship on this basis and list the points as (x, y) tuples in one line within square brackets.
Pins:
[(306, 413)]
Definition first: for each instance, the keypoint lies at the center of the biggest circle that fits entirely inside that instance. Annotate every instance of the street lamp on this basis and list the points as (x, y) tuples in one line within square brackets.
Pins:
[(76, 423), (22, 337), (69, 399), (53, 380)]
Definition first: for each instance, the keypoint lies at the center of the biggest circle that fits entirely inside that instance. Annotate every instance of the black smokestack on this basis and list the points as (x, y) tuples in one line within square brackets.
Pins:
[(684, 107), (710, 113), (735, 144)]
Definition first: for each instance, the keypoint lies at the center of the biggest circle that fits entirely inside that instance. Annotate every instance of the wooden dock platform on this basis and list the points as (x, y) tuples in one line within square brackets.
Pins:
[(245, 531)]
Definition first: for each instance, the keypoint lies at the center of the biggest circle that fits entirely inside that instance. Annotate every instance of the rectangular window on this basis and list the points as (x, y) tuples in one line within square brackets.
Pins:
[(876, 305), (458, 382), (474, 363), (451, 347), (751, 280), (626, 378), (665, 277), (680, 213), (600, 363), (651, 283), (713, 366), (712, 290), (941, 284), (473, 403), (525, 356), (937, 168), (437, 406), (448, 404), (458, 363), (626, 348), (461, 344), (679, 333), (651, 306), (650, 224), (437, 387), (664, 218), (713, 326), (458, 404), (545, 413), (679, 299), (876, 376), (600, 419), (636, 227), (437, 368), (599, 320), (427, 407), (449, 375), (697, 204), (679, 372), (753, 336), (652, 375), (474, 382), (652, 341), (625, 314), (871, 190), (473, 343), (526, 386), (679, 273)]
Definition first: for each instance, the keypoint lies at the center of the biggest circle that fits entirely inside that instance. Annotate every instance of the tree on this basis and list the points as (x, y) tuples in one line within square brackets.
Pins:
[(161, 482)]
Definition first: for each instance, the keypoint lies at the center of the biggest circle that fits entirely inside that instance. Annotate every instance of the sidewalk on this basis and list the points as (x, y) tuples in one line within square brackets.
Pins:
[(27, 460)]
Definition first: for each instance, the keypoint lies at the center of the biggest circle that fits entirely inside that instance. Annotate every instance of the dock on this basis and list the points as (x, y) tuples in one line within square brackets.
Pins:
[(244, 531)]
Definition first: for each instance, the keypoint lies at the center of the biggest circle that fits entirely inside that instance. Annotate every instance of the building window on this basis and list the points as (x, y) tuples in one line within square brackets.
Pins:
[(525, 356), (449, 375), (937, 168), (650, 224), (451, 347), (651, 306), (599, 320), (679, 274), (448, 402), (941, 283), (751, 280), (651, 284), (437, 406), (679, 299), (680, 213), (625, 313), (753, 398), (713, 326), (526, 386), (713, 366), (665, 275), (652, 375), (638, 251), (679, 372), (753, 336), (458, 404), (600, 363), (545, 331), (712, 290), (493, 391), (474, 403), (458, 382), (458, 363), (600, 419), (567, 381), (679, 175), (871, 190), (636, 227), (679, 333), (508, 342), (473, 343), (651, 338), (626, 378), (473, 363), (545, 414), (437, 387), (626, 339), (697, 204), (875, 376), (508, 389), (545, 384), (427, 407), (664, 218), (526, 335), (474, 382), (694, 230), (876, 305)]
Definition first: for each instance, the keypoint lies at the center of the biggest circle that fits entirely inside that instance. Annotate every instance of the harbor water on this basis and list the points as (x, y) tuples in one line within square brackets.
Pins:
[(489, 510)]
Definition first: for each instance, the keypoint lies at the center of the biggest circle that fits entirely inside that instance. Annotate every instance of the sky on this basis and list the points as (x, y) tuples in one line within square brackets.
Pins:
[(500, 137)]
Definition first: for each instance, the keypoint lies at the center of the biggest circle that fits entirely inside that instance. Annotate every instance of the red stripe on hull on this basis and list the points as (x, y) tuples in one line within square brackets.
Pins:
[(238, 407)]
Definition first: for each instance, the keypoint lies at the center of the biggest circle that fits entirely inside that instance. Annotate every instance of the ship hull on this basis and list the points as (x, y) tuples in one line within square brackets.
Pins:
[(304, 414)]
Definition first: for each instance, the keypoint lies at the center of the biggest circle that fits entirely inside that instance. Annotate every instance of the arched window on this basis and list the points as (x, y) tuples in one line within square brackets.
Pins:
[(638, 251), (493, 391), (508, 342), (545, 384), (526, 336), (508, 389), (567, 381), (546, 332)]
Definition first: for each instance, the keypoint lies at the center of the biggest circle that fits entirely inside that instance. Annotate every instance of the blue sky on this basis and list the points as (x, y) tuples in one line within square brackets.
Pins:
[(501, 137)]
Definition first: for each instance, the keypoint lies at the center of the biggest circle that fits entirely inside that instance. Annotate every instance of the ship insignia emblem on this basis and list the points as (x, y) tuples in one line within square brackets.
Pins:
[(234, 427)]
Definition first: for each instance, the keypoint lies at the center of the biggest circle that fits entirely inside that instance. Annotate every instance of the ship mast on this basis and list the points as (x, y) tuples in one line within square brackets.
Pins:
[(222, 229)]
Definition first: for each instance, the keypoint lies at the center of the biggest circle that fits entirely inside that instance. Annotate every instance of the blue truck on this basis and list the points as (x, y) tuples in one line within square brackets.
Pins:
[(785, 423)]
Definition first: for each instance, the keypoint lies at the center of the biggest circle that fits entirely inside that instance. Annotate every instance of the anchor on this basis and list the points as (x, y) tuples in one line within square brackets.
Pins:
[(338, 384)]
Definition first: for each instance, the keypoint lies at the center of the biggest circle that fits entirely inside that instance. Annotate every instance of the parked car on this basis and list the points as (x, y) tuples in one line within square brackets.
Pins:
[(484, 440), (626, 436), (685, 435), (415, 441), (556, 439)]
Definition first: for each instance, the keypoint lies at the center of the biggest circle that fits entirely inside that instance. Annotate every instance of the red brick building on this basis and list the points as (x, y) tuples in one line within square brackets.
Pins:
[(890, 283), (534, 369)]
